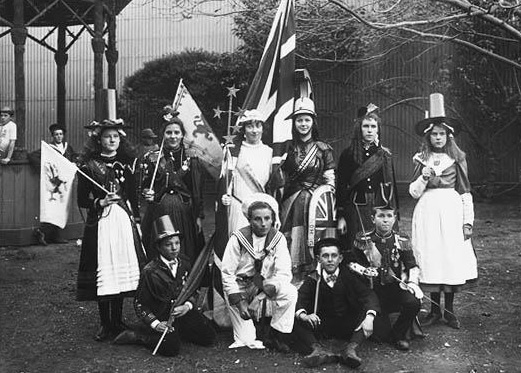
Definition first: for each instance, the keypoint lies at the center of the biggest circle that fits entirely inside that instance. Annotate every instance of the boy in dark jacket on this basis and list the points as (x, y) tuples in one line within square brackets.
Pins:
[(159, 286), (344, 308)]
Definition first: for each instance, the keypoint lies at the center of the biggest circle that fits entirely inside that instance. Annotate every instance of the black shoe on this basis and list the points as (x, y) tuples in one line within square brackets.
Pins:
[(431, 319), (40, 236), (402, 345), (276, 344), (103, 334), (127, 337), (349, 356), (452, 320), (319, 356)]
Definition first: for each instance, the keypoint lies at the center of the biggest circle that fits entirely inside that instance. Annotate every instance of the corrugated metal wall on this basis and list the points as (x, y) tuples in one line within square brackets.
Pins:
[(411, 73), (144, 32)]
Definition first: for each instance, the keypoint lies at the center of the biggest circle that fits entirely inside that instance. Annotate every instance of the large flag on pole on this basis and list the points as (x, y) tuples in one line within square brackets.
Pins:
[(199, 136), (272, 90), (56, 179), (272, 93)]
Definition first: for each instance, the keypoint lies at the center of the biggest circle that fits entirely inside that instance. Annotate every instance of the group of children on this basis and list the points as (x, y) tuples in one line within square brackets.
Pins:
[(346, 298)]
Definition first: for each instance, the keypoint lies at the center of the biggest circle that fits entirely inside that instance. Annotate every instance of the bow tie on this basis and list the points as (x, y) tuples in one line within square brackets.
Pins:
[(172, 264), (331, 278)]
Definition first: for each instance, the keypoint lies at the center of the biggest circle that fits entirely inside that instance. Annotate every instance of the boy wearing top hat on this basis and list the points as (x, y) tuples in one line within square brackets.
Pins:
[(160, 284), (7, 134), (386, 259), (333, 302)]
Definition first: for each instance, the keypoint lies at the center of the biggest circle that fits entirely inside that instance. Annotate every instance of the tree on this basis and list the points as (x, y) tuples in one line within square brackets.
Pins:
[(205, 74)]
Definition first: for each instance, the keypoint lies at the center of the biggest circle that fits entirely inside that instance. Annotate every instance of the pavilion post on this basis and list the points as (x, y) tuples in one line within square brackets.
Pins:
[(61, 57), (18, 37), (98, 46)]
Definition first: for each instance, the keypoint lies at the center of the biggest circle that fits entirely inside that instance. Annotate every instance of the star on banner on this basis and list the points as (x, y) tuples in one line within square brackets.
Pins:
[(217, 112), (240, 112), (232, 91), (235, 128), (229, 138)]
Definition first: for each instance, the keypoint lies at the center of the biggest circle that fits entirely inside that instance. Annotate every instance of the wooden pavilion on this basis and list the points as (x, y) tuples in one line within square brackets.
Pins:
[(19, 187)]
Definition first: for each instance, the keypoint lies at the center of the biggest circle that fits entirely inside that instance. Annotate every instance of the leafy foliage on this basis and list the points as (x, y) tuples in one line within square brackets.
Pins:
[(205, 74)]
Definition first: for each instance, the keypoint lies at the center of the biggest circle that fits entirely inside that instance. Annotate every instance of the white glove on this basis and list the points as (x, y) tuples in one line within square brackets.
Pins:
[(415, 290)]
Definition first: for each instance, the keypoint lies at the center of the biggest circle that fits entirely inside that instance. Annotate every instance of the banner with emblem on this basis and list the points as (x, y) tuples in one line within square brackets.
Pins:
[(199, 136), (56, 182)]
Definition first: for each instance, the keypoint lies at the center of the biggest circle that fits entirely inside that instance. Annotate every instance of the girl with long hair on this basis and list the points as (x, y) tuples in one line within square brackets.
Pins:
[(111, 252), (309, 164), (443, 217)]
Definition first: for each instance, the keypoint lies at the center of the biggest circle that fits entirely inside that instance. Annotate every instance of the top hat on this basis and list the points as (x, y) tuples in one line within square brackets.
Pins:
[(328, 241), (303, 105), (7, 110), (436, 116), (147, 133), (163, 228), (252, 115), (55, 126), (260, 197)]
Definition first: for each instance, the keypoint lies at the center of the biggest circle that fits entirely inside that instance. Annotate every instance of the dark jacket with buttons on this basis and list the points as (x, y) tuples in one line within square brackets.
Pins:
[(158, 290), (349, 297)]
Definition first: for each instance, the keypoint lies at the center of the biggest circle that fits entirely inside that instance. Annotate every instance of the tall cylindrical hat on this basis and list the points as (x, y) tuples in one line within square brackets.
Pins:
[(163, 227), (436, 116)]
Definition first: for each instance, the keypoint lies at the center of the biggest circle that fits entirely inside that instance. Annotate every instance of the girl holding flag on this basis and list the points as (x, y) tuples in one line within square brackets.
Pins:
[(111, 253), (173, 181)]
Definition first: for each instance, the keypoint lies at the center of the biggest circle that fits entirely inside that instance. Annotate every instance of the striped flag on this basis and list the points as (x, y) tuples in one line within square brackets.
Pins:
[(272, 90)]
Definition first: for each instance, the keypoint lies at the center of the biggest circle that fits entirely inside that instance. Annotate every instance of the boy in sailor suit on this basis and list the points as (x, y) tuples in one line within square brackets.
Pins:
[(256, 264)]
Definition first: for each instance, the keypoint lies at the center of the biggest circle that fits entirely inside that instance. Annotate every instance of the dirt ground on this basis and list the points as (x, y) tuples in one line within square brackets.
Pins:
[(43, 328)]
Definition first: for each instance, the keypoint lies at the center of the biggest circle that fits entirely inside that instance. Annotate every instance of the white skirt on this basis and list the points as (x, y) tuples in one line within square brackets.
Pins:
[(118, 267), (444, 257)]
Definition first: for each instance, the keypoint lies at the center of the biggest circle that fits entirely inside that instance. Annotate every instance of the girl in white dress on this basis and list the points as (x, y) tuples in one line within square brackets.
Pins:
[(444, 215)]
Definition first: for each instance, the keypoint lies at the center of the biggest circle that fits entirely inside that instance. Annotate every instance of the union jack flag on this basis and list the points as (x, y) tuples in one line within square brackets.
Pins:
[(272, 89)]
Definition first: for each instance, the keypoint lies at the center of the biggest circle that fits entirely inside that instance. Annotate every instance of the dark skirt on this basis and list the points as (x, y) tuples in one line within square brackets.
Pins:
[(180, 210)]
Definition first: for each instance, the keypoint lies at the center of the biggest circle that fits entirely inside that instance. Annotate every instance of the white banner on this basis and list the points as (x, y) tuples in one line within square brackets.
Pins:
[(56, 180), (199, 135)]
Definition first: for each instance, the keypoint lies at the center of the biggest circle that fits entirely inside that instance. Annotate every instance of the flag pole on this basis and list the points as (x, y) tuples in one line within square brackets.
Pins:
[(93, 181)]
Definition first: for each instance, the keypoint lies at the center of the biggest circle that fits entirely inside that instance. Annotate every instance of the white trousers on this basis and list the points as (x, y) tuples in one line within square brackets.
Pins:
[(281, 308)]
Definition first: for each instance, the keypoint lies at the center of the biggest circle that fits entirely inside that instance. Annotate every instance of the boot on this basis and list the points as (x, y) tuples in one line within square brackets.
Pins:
[(277, 341), (431, 319), (129, 337), (319, 356), (349, 356), (452, 320), (104, 332)]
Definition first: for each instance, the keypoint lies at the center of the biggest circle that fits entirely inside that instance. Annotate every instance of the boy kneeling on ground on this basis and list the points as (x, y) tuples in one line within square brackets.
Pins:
[(160, 284)]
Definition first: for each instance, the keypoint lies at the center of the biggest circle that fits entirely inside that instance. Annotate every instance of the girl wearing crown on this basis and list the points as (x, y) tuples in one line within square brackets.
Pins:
[(111, 251), (444, 215), (173, 185)]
